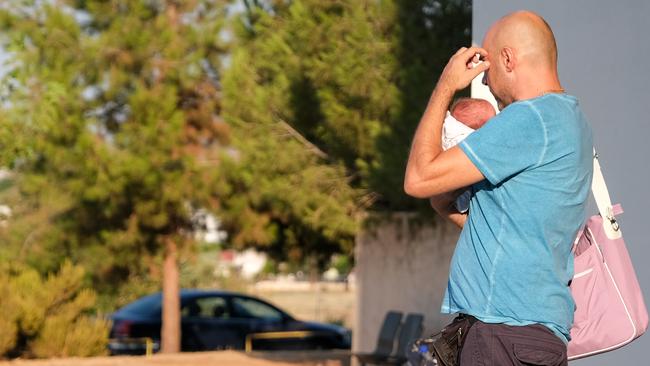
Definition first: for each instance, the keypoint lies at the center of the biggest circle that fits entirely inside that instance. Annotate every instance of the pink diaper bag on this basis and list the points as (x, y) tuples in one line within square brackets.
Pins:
[(610, 311)]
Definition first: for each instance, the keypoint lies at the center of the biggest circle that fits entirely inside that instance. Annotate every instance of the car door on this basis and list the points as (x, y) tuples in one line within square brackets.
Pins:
[(258, 316), (207, 325)]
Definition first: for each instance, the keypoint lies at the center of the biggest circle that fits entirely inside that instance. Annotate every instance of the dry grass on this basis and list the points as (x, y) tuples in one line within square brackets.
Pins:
[(322, 306)]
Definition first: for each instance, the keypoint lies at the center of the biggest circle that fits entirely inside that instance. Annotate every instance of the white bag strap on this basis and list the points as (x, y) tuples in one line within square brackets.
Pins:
[(604, 203)]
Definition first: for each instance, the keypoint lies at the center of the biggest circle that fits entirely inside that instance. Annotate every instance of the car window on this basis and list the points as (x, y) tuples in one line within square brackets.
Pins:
[(206, 307), (250, 308)]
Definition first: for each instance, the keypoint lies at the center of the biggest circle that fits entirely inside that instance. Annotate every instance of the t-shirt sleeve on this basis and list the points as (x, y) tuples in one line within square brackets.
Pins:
[(509, 143)]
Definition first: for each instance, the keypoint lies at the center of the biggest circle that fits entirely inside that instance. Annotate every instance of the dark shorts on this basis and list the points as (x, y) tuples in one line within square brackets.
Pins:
[(499, 345), (502, 345)]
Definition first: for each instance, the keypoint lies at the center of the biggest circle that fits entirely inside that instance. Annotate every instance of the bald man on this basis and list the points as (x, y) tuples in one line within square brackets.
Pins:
[(530, 169)]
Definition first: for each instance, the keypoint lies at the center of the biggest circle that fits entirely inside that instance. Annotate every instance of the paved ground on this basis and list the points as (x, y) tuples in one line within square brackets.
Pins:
[(220, 358)]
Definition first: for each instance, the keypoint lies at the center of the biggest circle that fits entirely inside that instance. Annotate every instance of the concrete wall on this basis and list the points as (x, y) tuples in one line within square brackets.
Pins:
[(401, 264)]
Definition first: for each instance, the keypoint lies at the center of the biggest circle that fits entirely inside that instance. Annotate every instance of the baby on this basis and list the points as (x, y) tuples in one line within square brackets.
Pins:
[(464, 116)]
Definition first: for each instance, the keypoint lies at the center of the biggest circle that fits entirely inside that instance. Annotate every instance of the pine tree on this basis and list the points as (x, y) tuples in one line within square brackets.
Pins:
[(290, 198), (112, 126), (332, 89), (116, 106)]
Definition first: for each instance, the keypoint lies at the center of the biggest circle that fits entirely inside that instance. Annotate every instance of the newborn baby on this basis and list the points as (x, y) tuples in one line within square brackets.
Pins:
[(464, 116)]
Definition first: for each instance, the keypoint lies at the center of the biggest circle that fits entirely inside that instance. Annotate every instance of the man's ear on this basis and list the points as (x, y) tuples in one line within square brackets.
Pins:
[(508, 58)]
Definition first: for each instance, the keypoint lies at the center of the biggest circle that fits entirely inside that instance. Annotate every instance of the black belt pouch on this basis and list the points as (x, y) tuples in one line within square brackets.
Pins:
[(448, 343)]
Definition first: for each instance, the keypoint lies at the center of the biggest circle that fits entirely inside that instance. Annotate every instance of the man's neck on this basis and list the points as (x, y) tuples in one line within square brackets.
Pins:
[(538, 85)]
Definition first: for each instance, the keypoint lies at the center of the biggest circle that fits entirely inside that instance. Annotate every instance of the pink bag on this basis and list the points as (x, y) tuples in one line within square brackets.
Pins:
[(610, 311)]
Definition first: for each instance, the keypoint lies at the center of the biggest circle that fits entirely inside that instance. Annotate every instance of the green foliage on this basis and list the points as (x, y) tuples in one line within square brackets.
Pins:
[(118, 129), (119, 126), (353, 77), (342, 263), (10, 315), (48, 317), (287, 203), (426, 34)]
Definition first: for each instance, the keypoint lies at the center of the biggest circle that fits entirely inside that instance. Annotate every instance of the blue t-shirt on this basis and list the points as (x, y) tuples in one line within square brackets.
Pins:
[(513, 262)]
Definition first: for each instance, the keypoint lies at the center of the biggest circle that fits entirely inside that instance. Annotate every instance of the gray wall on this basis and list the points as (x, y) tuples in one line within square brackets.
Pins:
[(604, 56), (401, 264)]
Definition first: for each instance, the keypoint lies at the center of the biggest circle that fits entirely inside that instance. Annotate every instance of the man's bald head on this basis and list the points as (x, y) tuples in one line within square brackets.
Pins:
[(528, 34), (523, 57)]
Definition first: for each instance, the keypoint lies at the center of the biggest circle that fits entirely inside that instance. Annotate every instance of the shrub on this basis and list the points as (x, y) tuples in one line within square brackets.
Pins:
[(9, 318), (49, 317)]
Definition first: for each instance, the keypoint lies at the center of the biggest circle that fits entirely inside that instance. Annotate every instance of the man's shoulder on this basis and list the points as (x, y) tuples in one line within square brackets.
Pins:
[(552, 103), (518, 115), (545, 101), (545, 109)]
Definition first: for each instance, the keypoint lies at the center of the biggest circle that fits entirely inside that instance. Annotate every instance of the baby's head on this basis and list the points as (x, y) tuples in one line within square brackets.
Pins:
[(472, 112)]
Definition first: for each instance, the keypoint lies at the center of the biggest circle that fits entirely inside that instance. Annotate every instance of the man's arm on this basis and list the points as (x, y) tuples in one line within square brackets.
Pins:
[(444, 206), (431, 171)]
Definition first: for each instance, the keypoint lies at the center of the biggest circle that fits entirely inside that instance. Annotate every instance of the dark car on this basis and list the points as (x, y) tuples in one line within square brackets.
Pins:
[(219, 320)]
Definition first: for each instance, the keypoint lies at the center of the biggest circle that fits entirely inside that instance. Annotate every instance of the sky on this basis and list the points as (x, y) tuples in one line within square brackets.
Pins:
[(603, 58)]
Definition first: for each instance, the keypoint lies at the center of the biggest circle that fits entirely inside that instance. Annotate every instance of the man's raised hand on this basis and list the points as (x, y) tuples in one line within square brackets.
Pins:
[(460, 71)]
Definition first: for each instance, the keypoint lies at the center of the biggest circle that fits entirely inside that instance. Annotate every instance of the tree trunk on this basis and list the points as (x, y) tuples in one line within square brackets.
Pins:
[(171, 307)]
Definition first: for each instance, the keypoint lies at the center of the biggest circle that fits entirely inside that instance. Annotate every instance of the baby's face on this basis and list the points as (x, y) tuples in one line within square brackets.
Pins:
[(473, 113)]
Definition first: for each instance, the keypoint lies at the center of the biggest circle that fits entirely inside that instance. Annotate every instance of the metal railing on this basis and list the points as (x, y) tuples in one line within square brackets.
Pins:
[(298, 334), (147, 341)]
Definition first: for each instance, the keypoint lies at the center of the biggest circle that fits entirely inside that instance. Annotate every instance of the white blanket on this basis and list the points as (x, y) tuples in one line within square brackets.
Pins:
[(454, 132)]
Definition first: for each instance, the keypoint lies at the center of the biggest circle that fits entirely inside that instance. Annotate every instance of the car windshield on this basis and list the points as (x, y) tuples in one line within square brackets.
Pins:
[(147, 306)]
